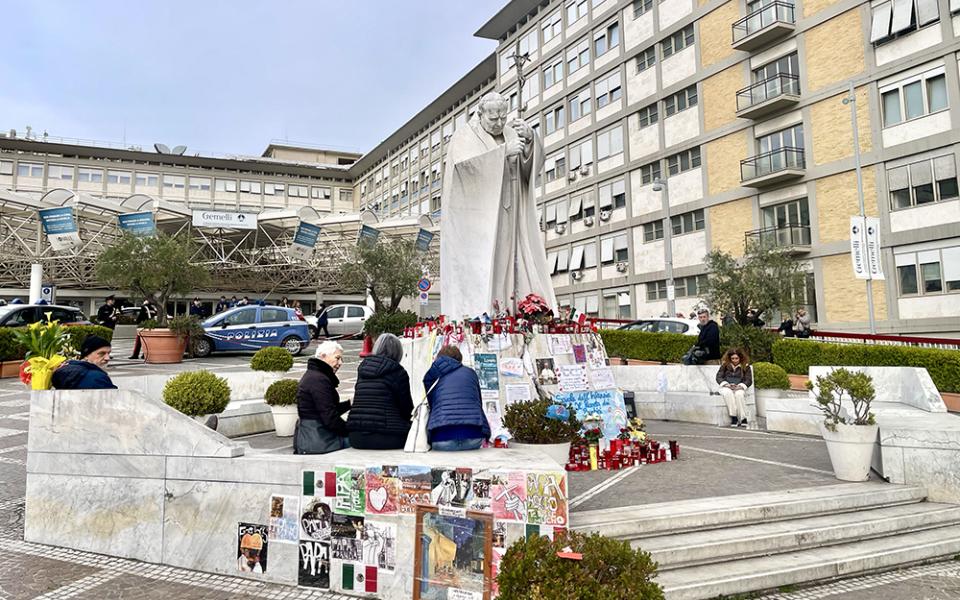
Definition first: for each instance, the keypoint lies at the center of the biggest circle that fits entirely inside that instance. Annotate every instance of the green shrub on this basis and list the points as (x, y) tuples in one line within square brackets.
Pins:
[(9, 348), (768, 376), (188, 327), (197, 393), (859, 390), (273, 359), (756, 341), (532, 570), (797, 356), (528, 423), (641, 345), (387, 322), (282, 393)]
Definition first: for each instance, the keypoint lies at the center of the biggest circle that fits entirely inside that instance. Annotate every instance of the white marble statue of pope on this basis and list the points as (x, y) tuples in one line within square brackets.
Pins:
[(490, 241)]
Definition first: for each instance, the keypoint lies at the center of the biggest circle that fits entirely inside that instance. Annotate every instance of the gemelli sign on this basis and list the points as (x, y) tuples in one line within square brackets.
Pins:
[(224, 220)]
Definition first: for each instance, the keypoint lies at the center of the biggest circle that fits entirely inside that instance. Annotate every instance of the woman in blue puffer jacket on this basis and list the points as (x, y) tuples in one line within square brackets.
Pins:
[(457, 421)]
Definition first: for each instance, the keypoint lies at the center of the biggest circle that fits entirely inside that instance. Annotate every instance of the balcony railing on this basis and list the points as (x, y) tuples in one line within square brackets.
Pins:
[(772, 166), (762, 25), (787, 236), (763, 94)]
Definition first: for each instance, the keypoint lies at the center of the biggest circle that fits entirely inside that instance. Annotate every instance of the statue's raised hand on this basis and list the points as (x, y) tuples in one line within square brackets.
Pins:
[(515, 146), (524, 131)]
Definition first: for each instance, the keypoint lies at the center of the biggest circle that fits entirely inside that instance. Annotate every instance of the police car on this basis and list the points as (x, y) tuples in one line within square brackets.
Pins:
[(249, 328)]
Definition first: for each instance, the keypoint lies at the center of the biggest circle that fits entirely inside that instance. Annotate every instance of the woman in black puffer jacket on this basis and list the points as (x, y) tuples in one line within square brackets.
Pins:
[(380, 415)]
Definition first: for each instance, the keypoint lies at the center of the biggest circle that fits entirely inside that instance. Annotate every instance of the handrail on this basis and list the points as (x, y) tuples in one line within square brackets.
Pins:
[(767, 163), (763, 17), (762, 91), (799, 234)]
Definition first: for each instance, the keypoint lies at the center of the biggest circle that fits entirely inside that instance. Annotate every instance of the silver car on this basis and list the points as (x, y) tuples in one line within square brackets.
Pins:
[(343, 319)]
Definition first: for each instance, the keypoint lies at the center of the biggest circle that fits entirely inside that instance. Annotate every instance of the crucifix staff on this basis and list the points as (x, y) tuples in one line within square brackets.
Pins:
[(518, 61)]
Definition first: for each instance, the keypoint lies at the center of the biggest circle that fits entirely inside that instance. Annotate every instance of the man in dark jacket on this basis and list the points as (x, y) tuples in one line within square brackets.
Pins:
[(86, 373), (382, 405), (147, 312), (222, 305), (457, 420), (707, 347), (108, 314), (322, 321), (321, 428)]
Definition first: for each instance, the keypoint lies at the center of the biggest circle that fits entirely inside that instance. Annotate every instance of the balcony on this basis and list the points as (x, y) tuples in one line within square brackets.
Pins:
[(768, 96), (793, 239), (772, 22), (772, 167)]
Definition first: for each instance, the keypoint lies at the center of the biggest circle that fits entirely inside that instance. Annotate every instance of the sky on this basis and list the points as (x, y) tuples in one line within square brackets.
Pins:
[(229, 77)]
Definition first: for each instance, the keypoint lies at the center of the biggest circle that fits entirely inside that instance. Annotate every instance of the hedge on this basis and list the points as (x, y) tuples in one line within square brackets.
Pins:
[(10, 350), (641, 345), (797, 356), (767, 376)]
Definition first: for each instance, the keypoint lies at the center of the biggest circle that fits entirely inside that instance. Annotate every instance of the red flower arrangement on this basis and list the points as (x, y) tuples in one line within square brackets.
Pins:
[(534, 308), (593, 435)]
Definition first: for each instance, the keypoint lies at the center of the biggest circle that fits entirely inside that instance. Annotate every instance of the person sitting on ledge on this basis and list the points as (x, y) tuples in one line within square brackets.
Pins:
[(380, 414), (321, 428), (86, 373), (457, 421), (734, 378)]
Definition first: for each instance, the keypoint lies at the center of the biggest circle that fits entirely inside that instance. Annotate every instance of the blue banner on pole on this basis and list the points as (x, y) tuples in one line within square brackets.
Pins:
[(61, 227), (306, 235), (424, 238), (368, 235), (138, 223)]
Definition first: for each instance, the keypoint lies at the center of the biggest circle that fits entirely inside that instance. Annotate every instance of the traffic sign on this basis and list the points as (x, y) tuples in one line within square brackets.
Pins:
[(423, 285), (424, 298), (48, 293)]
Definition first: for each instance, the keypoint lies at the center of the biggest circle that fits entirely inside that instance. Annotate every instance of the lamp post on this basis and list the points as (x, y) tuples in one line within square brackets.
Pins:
[(660, 185)]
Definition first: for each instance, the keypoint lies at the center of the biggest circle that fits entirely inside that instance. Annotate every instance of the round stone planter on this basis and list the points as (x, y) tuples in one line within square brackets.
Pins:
[(851, 450), (284, 419), (162, 346), (558, 452)]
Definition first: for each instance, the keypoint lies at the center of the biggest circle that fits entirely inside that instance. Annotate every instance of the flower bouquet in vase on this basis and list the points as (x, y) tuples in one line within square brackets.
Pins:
[(534, 309), (46, 343)]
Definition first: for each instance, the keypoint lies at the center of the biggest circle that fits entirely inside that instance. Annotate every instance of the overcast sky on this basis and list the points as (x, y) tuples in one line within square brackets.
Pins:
[(230, 76)]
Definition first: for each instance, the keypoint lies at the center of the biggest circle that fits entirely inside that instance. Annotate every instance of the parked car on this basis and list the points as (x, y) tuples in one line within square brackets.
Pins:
[(249, 328), (18, 315), (663, 325), (343, 319)]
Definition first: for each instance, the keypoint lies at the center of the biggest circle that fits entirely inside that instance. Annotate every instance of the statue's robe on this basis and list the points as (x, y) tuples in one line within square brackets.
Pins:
[(485, 227)]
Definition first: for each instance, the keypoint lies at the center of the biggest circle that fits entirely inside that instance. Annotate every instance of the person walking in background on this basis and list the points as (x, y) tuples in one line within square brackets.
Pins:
[(321, 428), (148, 311), (734, 377), (222, 305), (457, 420), (801, 324), (108, 314), (297, 310), (88, 372), (707, 347), (322, 321), (380, 414)]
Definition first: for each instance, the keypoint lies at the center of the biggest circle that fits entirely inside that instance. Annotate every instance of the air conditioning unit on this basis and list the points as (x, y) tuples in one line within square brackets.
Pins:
[(576, 275), (604, 215), (561, 228), (588, 221), (585, 170), (572, 175), (621, 267)]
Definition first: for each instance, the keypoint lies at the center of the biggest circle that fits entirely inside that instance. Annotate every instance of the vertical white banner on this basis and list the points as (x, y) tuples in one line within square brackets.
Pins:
[(858, 242), (873, 248)]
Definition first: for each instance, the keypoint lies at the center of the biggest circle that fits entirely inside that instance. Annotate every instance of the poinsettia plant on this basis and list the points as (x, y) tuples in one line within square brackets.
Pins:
[(534, 308), (592, 435)]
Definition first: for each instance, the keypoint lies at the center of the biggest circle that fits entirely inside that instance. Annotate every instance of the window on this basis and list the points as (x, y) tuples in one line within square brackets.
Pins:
[(553, 74), (614, 249), (62, 172), (551, 27), (646, 59), (683, 161), (226, 185), (677, 42), (788, 65), (246, 316), (320, 192), (647, 115), (274, 315), (583, 256), (551, 216), (687, 222), (6, 167), (554, 167), (250, 187), (791, 137), (148, 179), (580, 104), (435, 140), (914, 98), (29, 169), (653, 231), (118, 177), (690, 287), (650, 172), (447, 131), (682, 100), (929, 271), (656, 290), (174, 182), (90, 175), (610, 142), (789, 222), (554, 119), (641, 6), (200, 183), (435, 173), (616, 304), (613, 195), (578, 56), (582, 205), (608, 89), (581, 155), (298, 191), (930, 180), (606, 39), (273, 189), (900, 17), (576, 10), (346, 196)]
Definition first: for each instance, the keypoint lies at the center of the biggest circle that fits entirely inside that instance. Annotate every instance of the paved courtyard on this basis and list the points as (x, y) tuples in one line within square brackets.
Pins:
[(713, 462)]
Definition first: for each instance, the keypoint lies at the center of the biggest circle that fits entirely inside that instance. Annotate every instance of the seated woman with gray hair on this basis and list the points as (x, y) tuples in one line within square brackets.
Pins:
[(321, 428), (382, 405)]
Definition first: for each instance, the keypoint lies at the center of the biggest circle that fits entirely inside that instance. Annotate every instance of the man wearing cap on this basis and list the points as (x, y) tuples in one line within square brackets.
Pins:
[(108, 314), (86, 373)]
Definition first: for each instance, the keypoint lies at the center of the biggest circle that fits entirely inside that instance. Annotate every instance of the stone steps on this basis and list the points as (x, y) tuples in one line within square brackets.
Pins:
[(739, 544)]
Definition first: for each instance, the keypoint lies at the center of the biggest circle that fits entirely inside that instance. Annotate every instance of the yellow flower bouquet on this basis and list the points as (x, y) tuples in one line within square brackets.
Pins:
[(45, 343)]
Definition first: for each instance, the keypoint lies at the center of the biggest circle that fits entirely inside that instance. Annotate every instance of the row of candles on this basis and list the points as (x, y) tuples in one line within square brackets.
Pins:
[(618, 454)]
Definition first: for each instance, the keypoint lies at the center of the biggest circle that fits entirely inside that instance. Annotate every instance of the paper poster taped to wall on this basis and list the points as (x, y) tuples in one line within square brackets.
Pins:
[(486, 367), (547, 498), (346, 537), (452, 556), (252, 547), (380, 545), (357, 577), (314, 569), (383, 490), (579, 353), (508, 495), (511, 367), (319, 483), (560, 344), (284, 519), (480, 497), (415, 486), (546, 371), (572, 378), (451, 487), (606, 403), (315, 518), (351, 491), (602, 378)]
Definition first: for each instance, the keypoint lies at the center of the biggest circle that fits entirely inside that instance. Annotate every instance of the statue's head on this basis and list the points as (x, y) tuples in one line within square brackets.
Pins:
[(493, 110)]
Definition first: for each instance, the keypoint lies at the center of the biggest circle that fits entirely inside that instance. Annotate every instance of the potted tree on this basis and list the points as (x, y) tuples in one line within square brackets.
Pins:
[(197, 394), (771, 383), (850, 437), (531, 427), (158, 267), (282, 398)]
